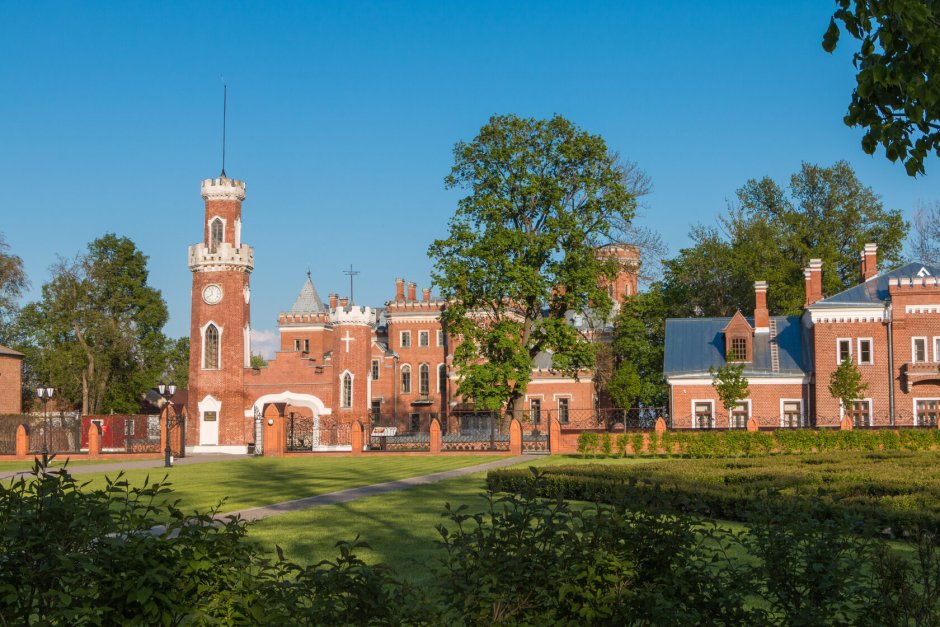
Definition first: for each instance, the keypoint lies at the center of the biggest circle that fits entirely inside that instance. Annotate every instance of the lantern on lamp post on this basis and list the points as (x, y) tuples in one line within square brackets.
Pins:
[(45, 394), (167, 392)]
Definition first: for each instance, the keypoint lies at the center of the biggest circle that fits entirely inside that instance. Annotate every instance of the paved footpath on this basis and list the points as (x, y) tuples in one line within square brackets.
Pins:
[(352, 494), (112, 468)]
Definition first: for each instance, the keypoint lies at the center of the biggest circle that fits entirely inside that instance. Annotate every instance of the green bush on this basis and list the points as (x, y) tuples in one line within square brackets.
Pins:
[(587, 443), (636, 441), (622, 441), (606, 445)]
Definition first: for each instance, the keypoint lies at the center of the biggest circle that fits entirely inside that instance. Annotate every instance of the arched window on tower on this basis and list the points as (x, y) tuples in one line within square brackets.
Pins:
[(210, 344), (406, 379), (441, 378), (215, 234), (347, 390), (424, 380)]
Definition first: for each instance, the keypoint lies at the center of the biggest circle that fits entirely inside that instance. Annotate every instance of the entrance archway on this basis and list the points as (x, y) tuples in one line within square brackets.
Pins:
[(296, 399)]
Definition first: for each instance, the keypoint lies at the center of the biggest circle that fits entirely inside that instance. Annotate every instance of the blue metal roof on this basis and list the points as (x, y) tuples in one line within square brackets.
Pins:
[(875, 289), (693, 345)]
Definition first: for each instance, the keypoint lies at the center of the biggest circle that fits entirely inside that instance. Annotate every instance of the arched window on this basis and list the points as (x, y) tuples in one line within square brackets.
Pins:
[(215, 234), (210, 345), (424, 380), (406, 379), (441, 378), (347, 390)]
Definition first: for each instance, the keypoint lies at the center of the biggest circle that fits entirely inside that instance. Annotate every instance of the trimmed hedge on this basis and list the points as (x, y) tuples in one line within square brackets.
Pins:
[(714, 444), (896, 490)]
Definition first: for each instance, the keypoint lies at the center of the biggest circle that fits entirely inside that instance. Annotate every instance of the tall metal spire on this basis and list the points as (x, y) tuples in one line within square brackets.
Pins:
[(351, 274), (224, 115)]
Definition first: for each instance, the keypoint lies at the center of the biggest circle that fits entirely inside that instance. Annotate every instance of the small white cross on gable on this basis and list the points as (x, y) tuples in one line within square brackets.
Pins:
[(347, 339)]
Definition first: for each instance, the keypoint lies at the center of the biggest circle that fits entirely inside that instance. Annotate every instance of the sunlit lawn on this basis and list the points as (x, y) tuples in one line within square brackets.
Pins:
[(58, 462), (252, 482)]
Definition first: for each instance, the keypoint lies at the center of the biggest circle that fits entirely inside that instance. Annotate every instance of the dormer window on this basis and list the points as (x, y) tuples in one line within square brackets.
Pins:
[(738, 350), (738, 339)]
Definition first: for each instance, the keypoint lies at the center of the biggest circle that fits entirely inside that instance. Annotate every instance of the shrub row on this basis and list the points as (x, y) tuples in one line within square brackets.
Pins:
[(896, 491), (703, 444)]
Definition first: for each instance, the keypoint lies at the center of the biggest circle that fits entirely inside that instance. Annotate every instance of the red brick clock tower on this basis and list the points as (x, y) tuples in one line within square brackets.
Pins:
[(219, 335)]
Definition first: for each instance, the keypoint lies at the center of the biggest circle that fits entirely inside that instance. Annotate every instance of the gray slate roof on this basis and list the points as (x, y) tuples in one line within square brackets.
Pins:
[(308, 301), (875, 289), (693, 345)]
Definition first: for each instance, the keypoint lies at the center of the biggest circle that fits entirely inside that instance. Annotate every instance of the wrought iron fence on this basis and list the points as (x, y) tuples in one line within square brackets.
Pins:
[(56, 434), (304, 433)]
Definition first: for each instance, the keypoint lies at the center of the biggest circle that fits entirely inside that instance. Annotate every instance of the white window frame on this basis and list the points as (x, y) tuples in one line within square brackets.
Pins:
[(352, 389), (202, 346), (871, 407), (441, 379), (558, 399), (376, 368), (421, 367), (540, 398), (914, 402), (914, 350), (839, 341), (224, 222), (783, 401), (401, 339), (440, 337), (401, 371), (427, 335), (936, 348), (711, 402), (871, 351), (750, 414)]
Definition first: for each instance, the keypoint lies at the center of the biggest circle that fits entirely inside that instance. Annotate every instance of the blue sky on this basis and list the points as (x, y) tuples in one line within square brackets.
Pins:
[(342, 117)]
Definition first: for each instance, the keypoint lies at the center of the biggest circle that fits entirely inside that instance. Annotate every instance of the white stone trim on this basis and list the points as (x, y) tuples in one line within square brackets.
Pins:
[(922, 309), (411, 383), (224, 222), (914, 352), (247, 339), (292, 398), (914, 402), (750, 413), (238, 232), (401, 339), (438, 370), (401, 317), (871, 407), (202, 344), (848, 314), (936, 348), (706, 380), (209, 403), (871, 351), (225, 449), (352, 388), (546, 380), (802, 410), (839, 341), (223, 189), (290, 328), (711, 402)]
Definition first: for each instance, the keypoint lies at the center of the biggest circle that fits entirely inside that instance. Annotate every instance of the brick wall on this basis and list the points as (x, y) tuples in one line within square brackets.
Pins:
[(11, 384)]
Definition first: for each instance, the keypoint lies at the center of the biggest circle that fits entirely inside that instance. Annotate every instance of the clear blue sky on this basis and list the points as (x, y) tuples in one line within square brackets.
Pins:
[(342, 117)]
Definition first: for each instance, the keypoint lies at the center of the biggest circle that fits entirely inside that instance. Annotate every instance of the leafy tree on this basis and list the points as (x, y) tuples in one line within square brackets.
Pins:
[(771, 233), (845, 384), (12, 283), (177, 362), (521, 251), (639, 338), (96, 333), (924, 238), (258, 361), (895, 97), (730, 384)]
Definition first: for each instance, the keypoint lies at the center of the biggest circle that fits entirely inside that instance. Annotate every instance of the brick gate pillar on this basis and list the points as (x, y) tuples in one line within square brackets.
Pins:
[(554, 436), (22, 441), (355, 437), (515, 437), (94, 439), (435, 432)]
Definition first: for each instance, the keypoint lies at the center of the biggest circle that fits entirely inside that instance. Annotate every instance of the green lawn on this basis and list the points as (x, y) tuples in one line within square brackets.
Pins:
[(263, 481), (399, 526), (58, 462)]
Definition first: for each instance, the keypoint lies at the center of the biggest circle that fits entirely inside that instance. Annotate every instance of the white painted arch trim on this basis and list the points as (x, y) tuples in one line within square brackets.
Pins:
[(707, 380), (293, 398), (202, 344)]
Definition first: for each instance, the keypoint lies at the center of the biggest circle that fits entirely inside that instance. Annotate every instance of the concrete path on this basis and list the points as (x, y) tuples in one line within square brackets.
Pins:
[(344, 496), (117, 466)]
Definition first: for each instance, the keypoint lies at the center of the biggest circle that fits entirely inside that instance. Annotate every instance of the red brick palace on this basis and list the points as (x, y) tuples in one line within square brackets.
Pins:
[(338, 361)]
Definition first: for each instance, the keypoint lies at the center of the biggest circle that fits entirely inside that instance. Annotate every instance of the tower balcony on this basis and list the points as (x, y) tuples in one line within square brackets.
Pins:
[(920, 372), (225, 257)]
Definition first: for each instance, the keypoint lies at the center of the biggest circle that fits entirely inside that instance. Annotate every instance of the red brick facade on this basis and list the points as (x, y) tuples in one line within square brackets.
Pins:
[(338, 362), (11, 381), (888, 326)]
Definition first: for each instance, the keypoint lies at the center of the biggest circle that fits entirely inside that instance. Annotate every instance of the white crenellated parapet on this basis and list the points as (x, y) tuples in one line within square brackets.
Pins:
[(223, 189), (353, 314), (914, 281), (226, 257)]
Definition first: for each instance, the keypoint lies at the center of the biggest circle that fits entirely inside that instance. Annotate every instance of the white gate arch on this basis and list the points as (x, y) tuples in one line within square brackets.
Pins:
[(296, 399)]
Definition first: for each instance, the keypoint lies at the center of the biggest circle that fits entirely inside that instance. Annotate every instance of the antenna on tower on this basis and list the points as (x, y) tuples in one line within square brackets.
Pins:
[(351, 274), (224, 112)]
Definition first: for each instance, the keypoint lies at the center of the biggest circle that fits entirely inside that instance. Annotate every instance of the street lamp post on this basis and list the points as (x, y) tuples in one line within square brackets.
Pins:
[(167, 392), (45, 395)]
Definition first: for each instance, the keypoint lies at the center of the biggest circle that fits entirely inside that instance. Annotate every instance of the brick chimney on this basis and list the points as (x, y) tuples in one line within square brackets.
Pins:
[(869, 258), (761, 314), (399, 289), (412, 290), (333, 301), (426, 294), (813, 276), (343, 301)]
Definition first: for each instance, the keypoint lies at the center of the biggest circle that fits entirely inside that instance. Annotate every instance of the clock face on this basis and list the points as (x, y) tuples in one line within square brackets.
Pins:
[(212, 294)]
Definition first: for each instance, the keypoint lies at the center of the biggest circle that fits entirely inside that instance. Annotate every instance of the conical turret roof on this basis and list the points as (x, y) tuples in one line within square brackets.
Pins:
[(308, 301)]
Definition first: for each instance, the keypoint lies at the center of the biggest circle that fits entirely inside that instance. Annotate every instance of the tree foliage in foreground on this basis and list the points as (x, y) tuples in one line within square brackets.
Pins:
[(638, 343), (772, 232), (730, 384), (896, 99), (845, 384), (521, 251)]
